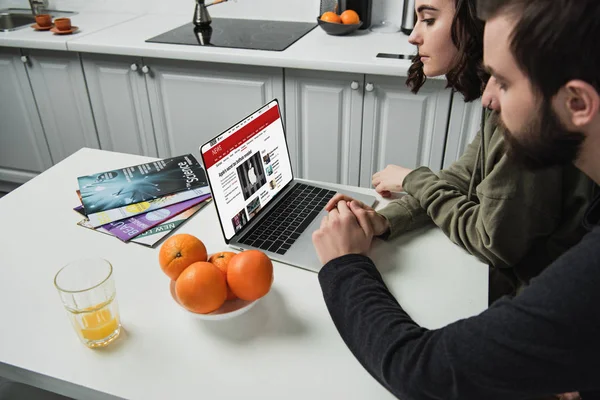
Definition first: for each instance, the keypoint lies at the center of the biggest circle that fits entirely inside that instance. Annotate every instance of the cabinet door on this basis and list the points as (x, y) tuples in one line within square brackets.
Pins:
[(61, 95), (324, 117), (119, 99), (465, 121), (23, 148), (192, 102), (402, 128)]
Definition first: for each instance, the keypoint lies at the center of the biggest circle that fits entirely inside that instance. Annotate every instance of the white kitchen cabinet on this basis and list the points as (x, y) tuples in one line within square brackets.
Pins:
[(465, 122), (402, 128), (119, 98), (324, 123), (343, 127), (191, 102), (23, 148), (60, 92)]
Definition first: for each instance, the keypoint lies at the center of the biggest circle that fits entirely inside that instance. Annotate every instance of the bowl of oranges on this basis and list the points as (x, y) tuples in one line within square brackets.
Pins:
[(222, 286), (339, 25)]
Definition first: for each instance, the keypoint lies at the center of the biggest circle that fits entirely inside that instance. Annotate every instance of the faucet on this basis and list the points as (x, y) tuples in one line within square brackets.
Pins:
[(38, 6), (201, 15)]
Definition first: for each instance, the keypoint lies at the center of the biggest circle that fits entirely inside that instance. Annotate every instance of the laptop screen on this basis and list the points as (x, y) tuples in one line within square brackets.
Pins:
[(247, 166)]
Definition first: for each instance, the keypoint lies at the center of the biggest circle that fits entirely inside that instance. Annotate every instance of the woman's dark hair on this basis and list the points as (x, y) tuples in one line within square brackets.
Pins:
[(468, 75)]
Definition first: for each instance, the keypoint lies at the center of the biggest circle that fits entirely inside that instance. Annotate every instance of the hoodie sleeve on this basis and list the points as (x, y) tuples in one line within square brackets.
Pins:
[(497, 230), (514, 213), (407, 213)]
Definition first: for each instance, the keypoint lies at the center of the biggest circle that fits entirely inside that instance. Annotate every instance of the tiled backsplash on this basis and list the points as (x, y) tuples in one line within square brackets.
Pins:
[(295, 10)]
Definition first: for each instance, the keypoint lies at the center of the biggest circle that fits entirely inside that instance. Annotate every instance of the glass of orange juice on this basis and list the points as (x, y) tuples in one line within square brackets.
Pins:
[(87, 290)]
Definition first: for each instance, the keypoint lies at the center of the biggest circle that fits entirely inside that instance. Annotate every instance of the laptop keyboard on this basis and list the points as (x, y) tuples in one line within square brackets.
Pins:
[(283, 226)]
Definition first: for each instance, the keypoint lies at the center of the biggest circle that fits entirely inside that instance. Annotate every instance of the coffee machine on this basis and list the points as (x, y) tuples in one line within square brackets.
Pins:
[(362, 7)]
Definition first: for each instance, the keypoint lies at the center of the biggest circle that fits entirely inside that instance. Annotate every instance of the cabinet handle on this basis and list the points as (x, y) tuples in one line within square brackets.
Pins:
[(145, 69), (25, 59), (354, 85), (369, 87), (134, 67)]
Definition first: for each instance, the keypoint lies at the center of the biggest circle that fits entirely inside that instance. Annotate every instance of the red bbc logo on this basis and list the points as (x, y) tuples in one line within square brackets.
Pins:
[(216, 150)]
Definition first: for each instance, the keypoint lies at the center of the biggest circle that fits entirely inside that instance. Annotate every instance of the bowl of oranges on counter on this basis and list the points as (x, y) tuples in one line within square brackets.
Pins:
[(216, 287), (343, 24)]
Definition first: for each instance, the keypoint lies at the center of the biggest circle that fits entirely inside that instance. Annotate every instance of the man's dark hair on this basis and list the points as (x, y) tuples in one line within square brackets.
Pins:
[(553, 41), (468, 75)]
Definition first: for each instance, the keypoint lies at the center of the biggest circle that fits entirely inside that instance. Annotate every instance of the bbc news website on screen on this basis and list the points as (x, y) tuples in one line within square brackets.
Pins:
[(247, 165)]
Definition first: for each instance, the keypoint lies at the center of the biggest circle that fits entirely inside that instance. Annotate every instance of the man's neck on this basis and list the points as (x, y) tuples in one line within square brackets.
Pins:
[(589, 158)]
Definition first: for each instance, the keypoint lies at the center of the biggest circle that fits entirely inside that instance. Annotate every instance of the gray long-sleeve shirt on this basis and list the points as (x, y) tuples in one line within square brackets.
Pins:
[(543, 342)]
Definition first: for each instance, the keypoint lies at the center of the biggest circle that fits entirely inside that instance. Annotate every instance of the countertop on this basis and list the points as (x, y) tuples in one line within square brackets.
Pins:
[(126, 34), (286, 347), (87, 22)]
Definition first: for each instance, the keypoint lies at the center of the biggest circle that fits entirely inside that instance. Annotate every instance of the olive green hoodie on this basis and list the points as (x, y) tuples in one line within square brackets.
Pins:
[(513, 219)]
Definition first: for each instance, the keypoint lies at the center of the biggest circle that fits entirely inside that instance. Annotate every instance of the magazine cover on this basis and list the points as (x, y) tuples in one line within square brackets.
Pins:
[(117, 214), (129, 228), (123, 187), (156, 234)]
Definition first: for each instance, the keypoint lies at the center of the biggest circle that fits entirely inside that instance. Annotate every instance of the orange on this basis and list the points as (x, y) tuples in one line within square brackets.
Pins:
[(180, 251), (201, 288), (350, 17), (250, 274), (221, 261), (330, 16)]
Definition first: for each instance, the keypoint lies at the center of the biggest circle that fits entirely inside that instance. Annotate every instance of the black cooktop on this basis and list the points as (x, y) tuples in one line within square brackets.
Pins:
[(238, 33)]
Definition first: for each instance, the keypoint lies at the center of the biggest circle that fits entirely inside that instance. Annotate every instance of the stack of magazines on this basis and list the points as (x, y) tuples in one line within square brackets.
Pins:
[(143, 203)]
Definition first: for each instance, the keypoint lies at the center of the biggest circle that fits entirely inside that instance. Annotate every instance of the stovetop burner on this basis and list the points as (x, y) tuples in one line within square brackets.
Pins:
[(238, 33)]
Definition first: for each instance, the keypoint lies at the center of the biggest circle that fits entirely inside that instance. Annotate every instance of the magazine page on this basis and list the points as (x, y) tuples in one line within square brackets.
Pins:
[(117, 214), (123, 187), (130, 228), (247, 166), (155, 234)]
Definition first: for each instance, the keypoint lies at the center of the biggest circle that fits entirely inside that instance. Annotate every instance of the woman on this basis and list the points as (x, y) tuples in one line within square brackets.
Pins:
[(515, 220)]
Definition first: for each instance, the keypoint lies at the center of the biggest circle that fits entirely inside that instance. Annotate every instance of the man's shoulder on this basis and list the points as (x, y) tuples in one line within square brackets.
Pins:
[(585, 255)]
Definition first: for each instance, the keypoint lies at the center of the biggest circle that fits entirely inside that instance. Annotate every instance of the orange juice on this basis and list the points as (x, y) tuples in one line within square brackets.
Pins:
[(99, 325)]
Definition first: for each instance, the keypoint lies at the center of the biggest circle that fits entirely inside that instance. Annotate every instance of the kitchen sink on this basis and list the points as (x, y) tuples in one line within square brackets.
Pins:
[(16, 18), (10, 22)]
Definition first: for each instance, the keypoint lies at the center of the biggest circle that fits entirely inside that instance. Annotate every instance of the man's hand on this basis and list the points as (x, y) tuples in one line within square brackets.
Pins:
[(343, 231), (390, 180), (379, 223)]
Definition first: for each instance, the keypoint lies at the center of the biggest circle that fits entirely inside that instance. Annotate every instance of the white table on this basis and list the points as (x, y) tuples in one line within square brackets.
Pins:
[(284, 348)]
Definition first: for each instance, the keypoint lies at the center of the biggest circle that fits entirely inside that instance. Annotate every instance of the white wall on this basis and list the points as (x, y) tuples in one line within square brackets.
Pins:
[(297, 10), (293, 10)]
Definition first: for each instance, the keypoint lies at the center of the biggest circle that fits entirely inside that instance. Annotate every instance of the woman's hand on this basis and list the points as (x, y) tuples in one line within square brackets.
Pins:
[(390, 180)]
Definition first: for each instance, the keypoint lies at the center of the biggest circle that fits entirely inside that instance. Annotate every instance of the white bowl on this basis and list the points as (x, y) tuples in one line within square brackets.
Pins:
[(229, 309)]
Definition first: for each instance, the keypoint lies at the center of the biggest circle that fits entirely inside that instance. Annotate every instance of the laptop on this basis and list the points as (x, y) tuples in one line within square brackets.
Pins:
[(259, 203)]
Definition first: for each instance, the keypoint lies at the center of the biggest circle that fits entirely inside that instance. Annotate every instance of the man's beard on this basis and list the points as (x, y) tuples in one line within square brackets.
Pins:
[(543, 142)]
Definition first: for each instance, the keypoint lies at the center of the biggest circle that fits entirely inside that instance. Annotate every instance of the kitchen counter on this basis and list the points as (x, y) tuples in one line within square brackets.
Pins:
[(88, 22), (127, 34), (316, 50)]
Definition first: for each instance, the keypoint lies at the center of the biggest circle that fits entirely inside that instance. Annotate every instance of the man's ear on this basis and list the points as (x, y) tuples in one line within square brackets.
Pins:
[(582, 103)]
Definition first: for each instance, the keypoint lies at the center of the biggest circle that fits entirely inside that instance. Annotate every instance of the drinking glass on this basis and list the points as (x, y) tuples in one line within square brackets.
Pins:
[(87, 290)]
